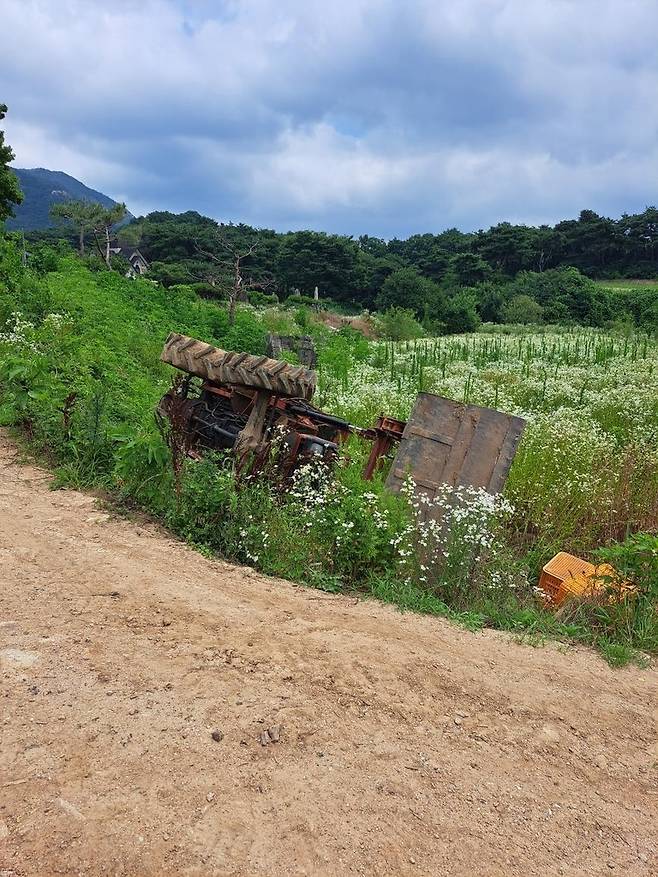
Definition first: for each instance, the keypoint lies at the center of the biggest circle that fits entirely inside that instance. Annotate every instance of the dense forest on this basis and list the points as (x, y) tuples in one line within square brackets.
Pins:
[(346, 268), (451, 280)]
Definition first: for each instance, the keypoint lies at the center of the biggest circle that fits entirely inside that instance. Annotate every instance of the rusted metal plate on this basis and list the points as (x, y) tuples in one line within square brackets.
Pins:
[(446, 442)]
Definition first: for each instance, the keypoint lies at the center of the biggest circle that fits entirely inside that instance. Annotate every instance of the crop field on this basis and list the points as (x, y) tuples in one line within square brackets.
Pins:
[(587, 468), (80, 375)]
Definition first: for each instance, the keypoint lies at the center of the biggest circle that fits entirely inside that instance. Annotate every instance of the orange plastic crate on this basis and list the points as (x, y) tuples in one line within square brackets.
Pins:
[(568, 576)]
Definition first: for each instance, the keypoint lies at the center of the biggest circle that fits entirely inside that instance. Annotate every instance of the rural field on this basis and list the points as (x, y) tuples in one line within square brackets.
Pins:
[(81, 377), (586, 469)]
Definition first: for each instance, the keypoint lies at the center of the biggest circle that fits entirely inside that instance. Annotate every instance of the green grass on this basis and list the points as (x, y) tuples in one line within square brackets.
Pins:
[(619, 654), (625, 283)]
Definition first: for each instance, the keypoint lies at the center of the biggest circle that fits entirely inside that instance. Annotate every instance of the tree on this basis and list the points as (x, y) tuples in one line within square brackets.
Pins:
[(639, 234), (406, 288), (467, 269), (84, 216), (565, 294), (105, 221), (172, 243), (371, 245), (549, 245), (308, 259), (452, 240), (523, 309), (10, 191), (399, 324), (171, 274), (228, 273), (506, 247), (489, 302), (422, 252), (459, 314), (370, 274), (593, 243)]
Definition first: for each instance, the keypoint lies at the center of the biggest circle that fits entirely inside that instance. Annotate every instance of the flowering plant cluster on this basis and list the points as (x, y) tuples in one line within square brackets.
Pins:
[(457, 541), (587, 467), (19, 334)]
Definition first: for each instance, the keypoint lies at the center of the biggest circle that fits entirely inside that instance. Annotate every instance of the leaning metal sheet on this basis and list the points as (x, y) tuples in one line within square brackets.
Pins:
[(446, 442)]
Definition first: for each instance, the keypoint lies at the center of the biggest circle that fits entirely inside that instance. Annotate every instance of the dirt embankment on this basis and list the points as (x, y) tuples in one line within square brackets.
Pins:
[(406, 745), (362, 324)]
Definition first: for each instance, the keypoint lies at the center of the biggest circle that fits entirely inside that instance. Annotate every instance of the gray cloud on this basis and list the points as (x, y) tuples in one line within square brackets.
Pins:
[(375, 116)]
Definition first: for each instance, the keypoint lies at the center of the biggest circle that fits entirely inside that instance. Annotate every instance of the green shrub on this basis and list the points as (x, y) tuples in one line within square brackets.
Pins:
[(303, 318), (636, 561), (399, 324), (297, 299), (522, 309), (262, 299), (43, 259)]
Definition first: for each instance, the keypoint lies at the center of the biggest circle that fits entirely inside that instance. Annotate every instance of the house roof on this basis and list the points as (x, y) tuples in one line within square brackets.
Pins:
[(129, 252)]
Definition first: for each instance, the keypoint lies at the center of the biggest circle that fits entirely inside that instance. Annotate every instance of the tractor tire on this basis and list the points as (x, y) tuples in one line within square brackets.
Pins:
[(242, 369)]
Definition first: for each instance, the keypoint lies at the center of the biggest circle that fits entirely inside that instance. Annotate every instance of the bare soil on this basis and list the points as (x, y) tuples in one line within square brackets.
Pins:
[(407, 746), (361, 324)]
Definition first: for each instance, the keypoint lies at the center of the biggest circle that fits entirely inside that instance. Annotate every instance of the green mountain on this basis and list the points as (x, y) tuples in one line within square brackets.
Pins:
[(41, 189)]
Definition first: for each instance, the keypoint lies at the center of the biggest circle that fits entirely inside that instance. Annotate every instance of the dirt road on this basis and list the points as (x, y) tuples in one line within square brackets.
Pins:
[(407, 746)]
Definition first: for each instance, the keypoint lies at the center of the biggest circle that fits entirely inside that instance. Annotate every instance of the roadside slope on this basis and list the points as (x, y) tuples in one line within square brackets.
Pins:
[(407, 745)]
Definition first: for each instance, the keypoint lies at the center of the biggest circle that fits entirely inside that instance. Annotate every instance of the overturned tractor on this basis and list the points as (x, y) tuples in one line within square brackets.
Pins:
[(244, 400)]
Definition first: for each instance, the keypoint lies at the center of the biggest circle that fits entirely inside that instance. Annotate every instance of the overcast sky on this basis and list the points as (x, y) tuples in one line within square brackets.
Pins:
[(386, 117)]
